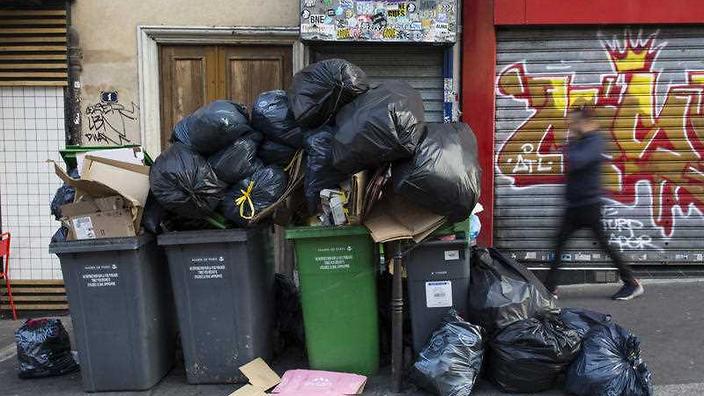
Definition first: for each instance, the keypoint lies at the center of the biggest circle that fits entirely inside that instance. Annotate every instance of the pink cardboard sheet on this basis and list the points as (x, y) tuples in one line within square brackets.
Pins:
[(319, 383)]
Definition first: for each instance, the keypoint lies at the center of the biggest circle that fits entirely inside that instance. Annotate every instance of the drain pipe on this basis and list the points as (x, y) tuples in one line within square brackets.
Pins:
[(72, 95)]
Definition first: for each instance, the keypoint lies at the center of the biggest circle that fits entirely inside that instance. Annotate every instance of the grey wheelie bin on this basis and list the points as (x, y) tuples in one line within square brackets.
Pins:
[(119, 296), (223, 286), (438, 279)]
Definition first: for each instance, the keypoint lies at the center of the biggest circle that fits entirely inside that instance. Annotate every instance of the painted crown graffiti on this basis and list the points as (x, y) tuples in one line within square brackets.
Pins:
[(656, 132)]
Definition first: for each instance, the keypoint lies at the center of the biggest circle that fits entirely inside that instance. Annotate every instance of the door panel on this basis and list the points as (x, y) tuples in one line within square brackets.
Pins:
[(192, 76), (187, 82), (252, 70)]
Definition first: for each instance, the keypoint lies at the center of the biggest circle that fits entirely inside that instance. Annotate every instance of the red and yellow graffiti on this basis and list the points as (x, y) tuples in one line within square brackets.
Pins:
[(662, 145)]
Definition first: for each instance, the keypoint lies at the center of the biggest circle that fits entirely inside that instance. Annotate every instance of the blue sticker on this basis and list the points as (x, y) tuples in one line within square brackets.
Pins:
[(339, 11)]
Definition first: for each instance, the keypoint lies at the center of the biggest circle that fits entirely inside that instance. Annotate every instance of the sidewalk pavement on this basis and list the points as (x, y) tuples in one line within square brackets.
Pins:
[(668, 319)]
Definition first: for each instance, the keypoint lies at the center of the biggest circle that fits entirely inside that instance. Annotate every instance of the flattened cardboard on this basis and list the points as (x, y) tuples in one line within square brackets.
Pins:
[(319, 383), (394, 218), (129, 180), (132, 155), (248, 390), (260, 375)]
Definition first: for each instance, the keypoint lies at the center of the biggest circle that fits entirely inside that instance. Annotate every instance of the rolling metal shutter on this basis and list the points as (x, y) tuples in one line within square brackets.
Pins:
[(420, 66), (33, 46), (648, 87)]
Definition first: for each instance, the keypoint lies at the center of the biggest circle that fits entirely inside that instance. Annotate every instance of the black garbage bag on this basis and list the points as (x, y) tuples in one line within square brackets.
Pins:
[(61, 235), (238, 160), (450, 363), (528, 355), (272, 115), (609, 363), (273, 153), (153, 215), (321, 89), (382, 125), (212, 127), (64, 195), (320, 174), (502, 291), (184, 183), (44, 349), (583, 320), (253, 194), (444, 174), (289, 314)]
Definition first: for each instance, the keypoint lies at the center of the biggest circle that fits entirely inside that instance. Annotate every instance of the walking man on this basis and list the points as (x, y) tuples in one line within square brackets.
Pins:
[(583, 159)]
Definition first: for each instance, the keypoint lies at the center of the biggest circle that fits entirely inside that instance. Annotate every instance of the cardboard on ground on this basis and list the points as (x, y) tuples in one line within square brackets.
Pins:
[(297, 382), (394, 218)]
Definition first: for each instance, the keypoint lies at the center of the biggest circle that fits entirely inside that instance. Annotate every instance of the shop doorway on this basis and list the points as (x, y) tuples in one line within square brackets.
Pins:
[(192, 75)]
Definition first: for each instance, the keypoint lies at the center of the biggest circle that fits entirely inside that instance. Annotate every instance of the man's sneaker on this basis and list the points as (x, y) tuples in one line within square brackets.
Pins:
[(629, 291)]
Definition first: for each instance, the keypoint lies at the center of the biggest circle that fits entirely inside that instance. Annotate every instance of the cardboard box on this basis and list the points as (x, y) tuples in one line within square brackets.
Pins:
[(131, 155), (394, 218), (106, 178), (100, 218)]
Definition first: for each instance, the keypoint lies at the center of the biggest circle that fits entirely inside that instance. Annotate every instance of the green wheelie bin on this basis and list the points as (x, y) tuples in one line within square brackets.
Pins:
[(337, 272)]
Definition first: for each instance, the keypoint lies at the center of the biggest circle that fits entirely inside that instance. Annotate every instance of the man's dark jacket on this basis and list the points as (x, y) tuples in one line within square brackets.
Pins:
[(584, 158)]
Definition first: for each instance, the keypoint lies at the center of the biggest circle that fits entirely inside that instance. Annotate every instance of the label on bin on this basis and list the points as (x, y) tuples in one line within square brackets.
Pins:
[(438, 294), (452, 255), (334, 258), (100, 275), (207, 267)]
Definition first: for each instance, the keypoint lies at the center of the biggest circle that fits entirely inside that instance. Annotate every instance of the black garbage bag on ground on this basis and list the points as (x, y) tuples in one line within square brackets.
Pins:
[(44, 349), (212, 127), (528, 355), (238, 160), (382, 125), (184, 183), (502, 291), (253, 194), (320, 174), (444, 174), (64, 195), (582, 320), (321, 89), (289, 314), (609, 363), (450, 363), (272, 116), (273, 153)]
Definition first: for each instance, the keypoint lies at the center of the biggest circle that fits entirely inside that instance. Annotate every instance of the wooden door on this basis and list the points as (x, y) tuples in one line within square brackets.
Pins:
[(192, 76)]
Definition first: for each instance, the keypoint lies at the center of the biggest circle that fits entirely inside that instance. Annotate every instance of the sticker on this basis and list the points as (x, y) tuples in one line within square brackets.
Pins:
[(411, 8), (305, 14), (83, 227), (343, 34), (101, 276), (699, 257), (203, 268), (582, 257), (452, 255), (317, 19), (438, 294), (389, 33), (334, 258), (531, 256), (309, 3)]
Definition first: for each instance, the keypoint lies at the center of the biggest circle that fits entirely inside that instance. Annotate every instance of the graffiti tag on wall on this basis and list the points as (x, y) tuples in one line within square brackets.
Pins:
[(657, 133), (108, 122)]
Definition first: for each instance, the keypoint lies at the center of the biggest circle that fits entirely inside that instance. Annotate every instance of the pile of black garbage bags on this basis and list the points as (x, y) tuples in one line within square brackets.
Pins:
[(227, 160), (515, 335)]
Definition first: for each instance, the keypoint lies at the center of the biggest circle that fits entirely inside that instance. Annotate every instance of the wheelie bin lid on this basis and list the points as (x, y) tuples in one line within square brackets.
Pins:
[(324, 232), (205, 236), (101, 245)]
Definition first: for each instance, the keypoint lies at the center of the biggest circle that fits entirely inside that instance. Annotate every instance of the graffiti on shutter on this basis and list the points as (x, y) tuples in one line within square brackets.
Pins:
[(648, 90)]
